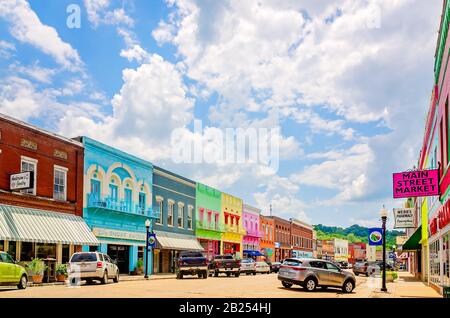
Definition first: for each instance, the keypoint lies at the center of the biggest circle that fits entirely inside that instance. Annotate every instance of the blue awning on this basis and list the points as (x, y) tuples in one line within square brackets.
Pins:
[(253, 253)]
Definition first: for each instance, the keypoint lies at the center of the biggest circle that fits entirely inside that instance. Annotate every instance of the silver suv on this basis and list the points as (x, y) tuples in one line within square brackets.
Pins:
[(89, 266), (311, 273)]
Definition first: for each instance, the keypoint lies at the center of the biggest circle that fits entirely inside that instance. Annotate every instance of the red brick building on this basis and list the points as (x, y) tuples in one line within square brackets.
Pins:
[(45, 219), (282, 242), (301, 239), (357, 252)]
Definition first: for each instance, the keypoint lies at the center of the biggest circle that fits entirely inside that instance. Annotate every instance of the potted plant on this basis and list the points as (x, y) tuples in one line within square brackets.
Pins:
[(36, 269), (61, 272), (391, 276), (139, 267)]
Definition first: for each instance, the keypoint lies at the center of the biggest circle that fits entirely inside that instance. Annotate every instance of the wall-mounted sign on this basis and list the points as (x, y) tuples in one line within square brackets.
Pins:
[(22, 181), (404, 218), (375, 236), (117, 234), (421, 183)]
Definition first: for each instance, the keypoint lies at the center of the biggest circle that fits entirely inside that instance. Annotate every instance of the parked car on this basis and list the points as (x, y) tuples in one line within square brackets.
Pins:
[(90, 266), (262, 267), (313, 273), (11, 273), (274, 267), (370, 268), (191, 263), (343, 265), (225, 264), (248, 266)]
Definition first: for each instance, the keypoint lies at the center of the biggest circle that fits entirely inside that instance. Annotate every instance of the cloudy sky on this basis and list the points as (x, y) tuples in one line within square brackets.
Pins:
[(348, 83)]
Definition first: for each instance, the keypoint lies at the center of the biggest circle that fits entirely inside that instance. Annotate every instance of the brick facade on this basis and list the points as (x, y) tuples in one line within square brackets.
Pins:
[(19, 140)]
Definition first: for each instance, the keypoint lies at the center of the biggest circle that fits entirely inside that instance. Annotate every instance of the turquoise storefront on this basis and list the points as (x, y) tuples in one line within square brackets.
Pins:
[(117, 202)]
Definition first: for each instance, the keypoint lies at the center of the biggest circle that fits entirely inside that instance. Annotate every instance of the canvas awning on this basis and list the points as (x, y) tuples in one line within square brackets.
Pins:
[(40, 226), (253, 253), (413, 242), (179, 242)]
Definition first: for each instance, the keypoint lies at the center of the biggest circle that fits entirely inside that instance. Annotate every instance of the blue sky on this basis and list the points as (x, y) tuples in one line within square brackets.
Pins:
[(348, 83)]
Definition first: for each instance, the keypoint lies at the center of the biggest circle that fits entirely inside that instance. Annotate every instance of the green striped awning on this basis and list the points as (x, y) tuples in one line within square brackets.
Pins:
[(39, 226), (413, 242)]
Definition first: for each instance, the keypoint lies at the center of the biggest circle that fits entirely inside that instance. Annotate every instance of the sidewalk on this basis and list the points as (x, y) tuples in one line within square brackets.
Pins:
[(406, 286), (123, 278)]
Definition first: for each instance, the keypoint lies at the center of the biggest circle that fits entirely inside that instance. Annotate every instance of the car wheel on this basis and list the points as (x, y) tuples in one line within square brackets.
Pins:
[(286, 285), (216, 274), (254, 273), (367, 274), (23, 282), (105, 278), (348, 286), (247, 273), (200, 275), (228, 274), (205, 275), (116, 279), (237, 274), (310, 284)]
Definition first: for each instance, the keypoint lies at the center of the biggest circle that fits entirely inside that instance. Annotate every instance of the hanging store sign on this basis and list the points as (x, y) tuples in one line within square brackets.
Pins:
[(404, 218), (421, 183), (22, 181), (375, 236)]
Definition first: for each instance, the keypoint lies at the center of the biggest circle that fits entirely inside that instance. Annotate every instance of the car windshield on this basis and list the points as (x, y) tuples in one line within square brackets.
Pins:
[(292, 262), (84, 257), (224, 257)]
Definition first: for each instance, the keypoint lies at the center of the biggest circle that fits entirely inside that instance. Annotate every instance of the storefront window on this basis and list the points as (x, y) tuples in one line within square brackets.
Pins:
[(434, 262), (27, 252), (12, 249), (45, 250), (446, 259), (65, 253), (141, 252)]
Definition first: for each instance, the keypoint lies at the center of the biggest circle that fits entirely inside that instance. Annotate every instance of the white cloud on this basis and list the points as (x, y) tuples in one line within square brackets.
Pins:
[(135, 53), (26, 27), (98, 12), (34, 71), (6, 49)]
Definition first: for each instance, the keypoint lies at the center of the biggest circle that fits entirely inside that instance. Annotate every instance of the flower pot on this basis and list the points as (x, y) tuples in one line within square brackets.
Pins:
[(60, 278), (37, 279)]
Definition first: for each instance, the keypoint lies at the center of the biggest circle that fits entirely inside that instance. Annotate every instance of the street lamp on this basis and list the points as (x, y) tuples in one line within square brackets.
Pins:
[(383, 214), (147, 226)]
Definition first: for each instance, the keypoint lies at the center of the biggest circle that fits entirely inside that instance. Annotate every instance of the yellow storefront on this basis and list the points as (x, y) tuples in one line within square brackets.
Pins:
[(231, 241)]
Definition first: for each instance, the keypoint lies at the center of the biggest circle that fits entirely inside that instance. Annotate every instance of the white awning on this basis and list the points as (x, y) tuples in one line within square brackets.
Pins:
[(39, 226), (179, 242)]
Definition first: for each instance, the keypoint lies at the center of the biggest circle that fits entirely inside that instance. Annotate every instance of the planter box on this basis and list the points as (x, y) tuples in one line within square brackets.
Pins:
[(61, 278), (37, 279)]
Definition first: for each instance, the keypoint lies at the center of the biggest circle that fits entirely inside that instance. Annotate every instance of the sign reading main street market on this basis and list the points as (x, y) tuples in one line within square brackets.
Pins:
[(421, 183), (404, 218), (375, 236)]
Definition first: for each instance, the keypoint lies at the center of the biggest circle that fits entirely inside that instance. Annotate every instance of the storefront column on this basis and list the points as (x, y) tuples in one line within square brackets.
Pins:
[(441, 259), (58, 253), (133, 258), (18, 250), (103, 248)]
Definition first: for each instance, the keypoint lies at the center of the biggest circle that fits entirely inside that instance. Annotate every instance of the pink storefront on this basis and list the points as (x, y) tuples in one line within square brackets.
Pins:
[(250, 242)]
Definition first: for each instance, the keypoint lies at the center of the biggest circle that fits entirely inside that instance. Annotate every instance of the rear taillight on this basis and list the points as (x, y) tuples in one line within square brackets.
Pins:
[(99, 264)]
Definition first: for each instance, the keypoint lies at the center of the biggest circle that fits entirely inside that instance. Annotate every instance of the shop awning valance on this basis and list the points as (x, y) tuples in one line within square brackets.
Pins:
[(179, 242), (253, 253), (39, 226), (413, 243)]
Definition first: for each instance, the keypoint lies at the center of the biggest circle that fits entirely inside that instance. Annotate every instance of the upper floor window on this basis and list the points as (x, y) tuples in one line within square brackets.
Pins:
[(159, 201), (170, 213), (189, 217), (180, 220), (60, 183), (128, 199), (29, 164), (113, 193), (142, 203)]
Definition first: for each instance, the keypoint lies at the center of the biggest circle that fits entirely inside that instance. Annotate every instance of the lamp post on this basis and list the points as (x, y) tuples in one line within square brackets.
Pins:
[(383, 214), (147, 226)]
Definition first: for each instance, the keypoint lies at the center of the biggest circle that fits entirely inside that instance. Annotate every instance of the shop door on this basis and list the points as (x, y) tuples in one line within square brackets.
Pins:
[(121, 254)]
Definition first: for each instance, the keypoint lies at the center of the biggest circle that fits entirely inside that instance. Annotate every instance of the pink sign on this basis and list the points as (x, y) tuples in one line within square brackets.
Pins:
[(421, 183)]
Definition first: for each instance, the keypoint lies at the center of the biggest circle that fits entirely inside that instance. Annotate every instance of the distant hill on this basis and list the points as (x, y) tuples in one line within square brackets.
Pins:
[(353, 234)]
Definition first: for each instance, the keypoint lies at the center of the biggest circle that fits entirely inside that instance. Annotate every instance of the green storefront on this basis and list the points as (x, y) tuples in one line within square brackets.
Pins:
[(209, 224)]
